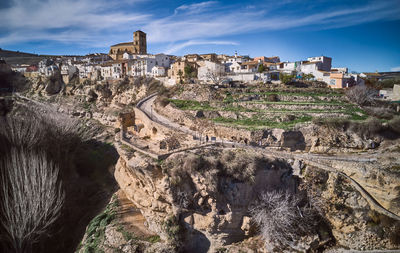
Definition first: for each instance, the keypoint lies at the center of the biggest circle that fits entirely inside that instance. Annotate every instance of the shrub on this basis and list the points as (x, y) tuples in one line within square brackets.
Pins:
[(380, 112), (281, 220), (240, 164), (361, 94), (272, 98), (164, 101), (173, 229), (367, 128), (394, 124)]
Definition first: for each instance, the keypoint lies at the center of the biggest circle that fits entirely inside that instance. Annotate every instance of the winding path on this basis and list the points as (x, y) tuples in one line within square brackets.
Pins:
[(317, 160)]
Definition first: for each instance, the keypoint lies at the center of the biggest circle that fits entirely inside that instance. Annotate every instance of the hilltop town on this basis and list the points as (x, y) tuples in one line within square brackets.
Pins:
[(205, 152), (130, 59)]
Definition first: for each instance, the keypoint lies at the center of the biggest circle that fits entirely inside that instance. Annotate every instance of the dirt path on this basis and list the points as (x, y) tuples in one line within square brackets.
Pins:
[(130, 217)]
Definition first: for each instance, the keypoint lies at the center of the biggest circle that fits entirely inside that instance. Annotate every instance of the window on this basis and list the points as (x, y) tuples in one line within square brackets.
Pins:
[(332, 82)]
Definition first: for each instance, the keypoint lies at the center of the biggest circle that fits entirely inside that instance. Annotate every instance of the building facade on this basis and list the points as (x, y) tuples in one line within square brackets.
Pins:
[(138, 46)]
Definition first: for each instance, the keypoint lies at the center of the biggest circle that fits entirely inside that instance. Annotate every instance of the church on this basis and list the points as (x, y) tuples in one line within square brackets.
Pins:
[(138, 46)]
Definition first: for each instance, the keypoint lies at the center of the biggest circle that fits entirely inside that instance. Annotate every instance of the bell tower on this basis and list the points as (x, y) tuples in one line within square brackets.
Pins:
[(139, 42)]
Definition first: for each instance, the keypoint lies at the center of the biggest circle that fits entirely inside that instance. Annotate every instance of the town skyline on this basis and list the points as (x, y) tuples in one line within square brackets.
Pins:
[(360, 36)]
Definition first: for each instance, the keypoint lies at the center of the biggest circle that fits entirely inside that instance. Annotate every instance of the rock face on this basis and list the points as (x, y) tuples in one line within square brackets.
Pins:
[(210, 199), (311, 138), (354, 224), (213, 210), (54, 84)]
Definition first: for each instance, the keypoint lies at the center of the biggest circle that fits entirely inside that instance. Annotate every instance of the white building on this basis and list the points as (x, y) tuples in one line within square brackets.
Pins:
[(68, 70), (208, 71), (142, 65), (233, 67), (326, 62), (158, 71), (233, 63), (106, 71), (116, 70), (288, 67)]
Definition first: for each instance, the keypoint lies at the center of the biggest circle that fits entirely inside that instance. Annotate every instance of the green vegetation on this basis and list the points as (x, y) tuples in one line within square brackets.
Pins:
[(127, 235), (173, 229), (96, 228), (286, 78), (153, 239), (271, 116), (263, 123), (261, 68), (190, 104), (180, 74), (298, 93), (308, 76), (190, 72)]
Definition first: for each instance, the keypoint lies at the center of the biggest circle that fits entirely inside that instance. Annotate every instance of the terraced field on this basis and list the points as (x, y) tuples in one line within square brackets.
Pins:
[(260, 110)]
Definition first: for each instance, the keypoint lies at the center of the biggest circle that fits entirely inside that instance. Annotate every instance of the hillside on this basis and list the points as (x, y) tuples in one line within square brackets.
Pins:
[(12, 54), (17, 57)]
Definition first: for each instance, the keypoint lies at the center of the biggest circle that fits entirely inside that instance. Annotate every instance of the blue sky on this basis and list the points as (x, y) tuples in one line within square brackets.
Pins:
[(362, 35)]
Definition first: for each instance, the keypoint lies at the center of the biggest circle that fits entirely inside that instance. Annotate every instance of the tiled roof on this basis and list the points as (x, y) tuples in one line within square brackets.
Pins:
[(123, 44)]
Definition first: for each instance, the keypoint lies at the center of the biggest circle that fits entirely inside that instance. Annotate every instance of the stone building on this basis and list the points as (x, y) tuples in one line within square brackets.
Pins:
[(138, 46)]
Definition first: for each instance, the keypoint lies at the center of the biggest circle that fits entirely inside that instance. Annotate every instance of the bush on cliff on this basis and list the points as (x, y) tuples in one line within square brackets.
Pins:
[(282, 220)]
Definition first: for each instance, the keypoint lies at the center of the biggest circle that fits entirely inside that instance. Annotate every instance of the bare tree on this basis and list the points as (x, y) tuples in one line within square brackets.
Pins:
[(280, 218), (31, 197), (216, 76), (361, 94), (21, 133)]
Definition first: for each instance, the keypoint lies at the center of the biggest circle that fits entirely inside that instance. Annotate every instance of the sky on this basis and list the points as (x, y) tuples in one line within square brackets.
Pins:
[(363, 35)]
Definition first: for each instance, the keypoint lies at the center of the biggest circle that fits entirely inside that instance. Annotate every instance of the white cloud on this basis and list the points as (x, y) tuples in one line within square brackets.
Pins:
[(70, 21), (395, 69), (101, 23), (197, 7), (175, 48), (211, 24)]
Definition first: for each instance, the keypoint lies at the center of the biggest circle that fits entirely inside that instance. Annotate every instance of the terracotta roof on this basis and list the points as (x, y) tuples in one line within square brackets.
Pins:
[(309, 63), (123, 44), (250, 63), (372, 74)]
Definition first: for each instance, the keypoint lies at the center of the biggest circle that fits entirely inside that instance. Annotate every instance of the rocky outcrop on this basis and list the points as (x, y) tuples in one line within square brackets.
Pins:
[(53, 84), (354, 224), (211, 205)]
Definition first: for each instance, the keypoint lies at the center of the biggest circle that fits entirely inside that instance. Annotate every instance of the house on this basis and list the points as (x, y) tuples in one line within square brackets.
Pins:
[(50, 70), (209, 57), (32, 68), (106, 71), (288, 67), (158, 71), (341, 70), (210, 71), (142, 65), (273, 59), (392, 94), (67, 72), (339, 80), (177, 69), (249, 67), (119, 69), (162, 60), (20, 68), (325, 62), (233, 67), (192, 58)]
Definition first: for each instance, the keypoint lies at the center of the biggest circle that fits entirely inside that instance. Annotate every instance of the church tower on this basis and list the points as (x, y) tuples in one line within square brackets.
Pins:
[(139, 42)]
